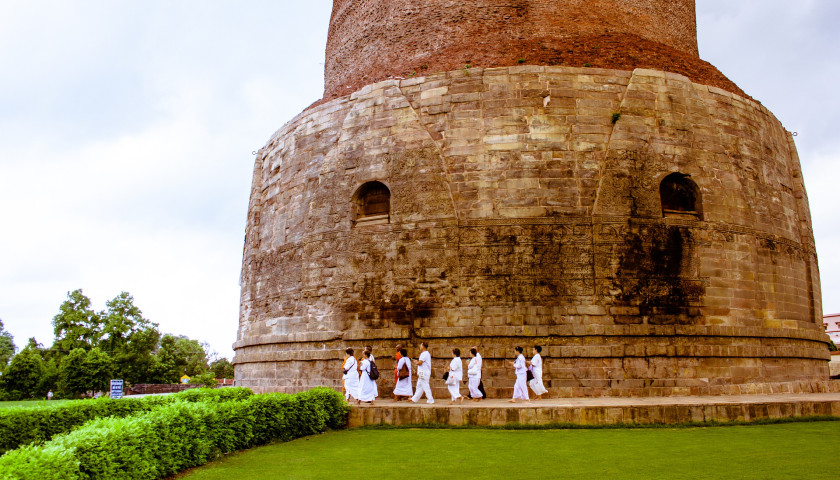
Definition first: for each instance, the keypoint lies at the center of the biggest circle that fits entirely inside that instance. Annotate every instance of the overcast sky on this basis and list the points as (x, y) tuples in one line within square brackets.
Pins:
[(126, 132)]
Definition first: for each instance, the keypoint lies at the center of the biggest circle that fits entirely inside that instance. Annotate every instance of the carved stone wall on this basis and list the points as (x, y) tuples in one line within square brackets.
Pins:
[(525, 210)]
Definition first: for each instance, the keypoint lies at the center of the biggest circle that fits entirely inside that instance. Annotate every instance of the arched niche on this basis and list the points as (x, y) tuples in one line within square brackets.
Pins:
[(372, 204), (680, 197)]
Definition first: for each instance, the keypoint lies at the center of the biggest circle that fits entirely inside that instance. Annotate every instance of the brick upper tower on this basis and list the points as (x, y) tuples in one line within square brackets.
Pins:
[(371, 40)]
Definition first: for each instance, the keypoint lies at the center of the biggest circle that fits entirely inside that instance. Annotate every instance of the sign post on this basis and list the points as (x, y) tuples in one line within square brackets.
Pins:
[(116, 389)]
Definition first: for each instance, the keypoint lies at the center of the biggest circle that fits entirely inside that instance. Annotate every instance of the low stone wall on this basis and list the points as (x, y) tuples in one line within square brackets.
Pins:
[(606, 412)]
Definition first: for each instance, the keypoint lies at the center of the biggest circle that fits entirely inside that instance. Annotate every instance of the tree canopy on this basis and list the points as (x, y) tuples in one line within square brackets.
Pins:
[(22, 379), (76, 325), (179, 355), (83, 371), (129, 338), (7, 346)]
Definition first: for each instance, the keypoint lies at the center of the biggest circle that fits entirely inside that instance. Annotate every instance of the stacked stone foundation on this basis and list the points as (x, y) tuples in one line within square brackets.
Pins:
[(579, 366)]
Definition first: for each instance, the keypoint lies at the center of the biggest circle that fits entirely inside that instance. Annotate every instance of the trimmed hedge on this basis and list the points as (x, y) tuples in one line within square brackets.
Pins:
[(26, 425), (175, 437), (213, 394)]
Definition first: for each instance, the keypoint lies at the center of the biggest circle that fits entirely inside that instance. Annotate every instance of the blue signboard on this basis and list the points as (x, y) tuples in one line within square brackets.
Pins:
[(116, 388)]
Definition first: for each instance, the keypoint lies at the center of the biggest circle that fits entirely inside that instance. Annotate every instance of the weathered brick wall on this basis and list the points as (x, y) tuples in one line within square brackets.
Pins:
[(525, 211), (370, 40)]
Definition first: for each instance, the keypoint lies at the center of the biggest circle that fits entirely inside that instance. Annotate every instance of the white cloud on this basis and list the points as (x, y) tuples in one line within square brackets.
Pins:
[(821, 177)]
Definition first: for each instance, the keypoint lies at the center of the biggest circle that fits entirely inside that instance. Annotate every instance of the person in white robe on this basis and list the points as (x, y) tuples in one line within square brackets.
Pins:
[(536, 366), (520, 388), (367, 387), (456, 376), (372, 360), (403, 386), (424, 374), (351, 375), (474, 375)]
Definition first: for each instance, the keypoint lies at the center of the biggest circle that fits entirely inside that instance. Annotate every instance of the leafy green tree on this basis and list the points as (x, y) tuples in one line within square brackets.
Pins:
[(129, 338), (207, 379), (99, 368), (7, 346), (71, 377), (22, 379), (222, 368), (49, 380), (177, 356), (83, 371), (77, 325)]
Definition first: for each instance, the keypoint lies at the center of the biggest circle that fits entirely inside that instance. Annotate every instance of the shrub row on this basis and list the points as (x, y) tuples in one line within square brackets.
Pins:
[(174, 437), (25, 425)]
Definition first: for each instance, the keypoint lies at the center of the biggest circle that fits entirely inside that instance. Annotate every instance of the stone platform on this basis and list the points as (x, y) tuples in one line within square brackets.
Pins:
[(599, 411)]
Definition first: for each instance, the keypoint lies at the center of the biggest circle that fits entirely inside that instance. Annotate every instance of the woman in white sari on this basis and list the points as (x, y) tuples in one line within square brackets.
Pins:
[(456, 376), (368, 348), (520, 388), (351, 375), (536, 366), (474, 375), (367, 387), (403, 386)]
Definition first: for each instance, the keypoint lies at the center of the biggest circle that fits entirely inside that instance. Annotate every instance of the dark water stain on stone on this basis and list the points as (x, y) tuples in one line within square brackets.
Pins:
[(655, 277)]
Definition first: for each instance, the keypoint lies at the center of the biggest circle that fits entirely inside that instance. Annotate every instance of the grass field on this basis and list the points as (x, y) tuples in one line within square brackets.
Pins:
[(793, 450), (29, 403)]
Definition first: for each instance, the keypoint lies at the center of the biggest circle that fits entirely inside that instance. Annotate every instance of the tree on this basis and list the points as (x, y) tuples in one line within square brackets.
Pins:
[(7, 346), (76, 325), (22, 379), (222, 368), (177, 356), (208, 379), (49, 380), (71, 379), (99, 369), (129, 338), (83, 371)]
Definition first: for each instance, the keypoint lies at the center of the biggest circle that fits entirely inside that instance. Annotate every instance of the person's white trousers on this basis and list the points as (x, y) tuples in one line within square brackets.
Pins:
[(422, 388)]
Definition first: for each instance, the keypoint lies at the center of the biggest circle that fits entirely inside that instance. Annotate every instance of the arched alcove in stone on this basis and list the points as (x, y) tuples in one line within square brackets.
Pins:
[(680, 196), (372, 204)]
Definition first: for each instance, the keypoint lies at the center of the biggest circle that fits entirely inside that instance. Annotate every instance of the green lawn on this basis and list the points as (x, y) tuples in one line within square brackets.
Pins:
[(793, 450), (29, 403)]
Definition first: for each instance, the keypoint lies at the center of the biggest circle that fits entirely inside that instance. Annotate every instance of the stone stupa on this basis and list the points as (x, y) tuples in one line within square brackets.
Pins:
[(566, 173)]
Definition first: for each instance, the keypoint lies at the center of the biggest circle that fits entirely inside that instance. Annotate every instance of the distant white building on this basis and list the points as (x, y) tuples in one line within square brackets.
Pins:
[(832, 327)]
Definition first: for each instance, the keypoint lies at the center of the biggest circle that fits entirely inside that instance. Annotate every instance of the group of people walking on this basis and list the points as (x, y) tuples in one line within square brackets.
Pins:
[(360, 377)]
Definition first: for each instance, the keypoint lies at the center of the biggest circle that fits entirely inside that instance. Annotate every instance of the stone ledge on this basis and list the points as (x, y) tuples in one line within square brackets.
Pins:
[(600, 411), (399, 334)]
